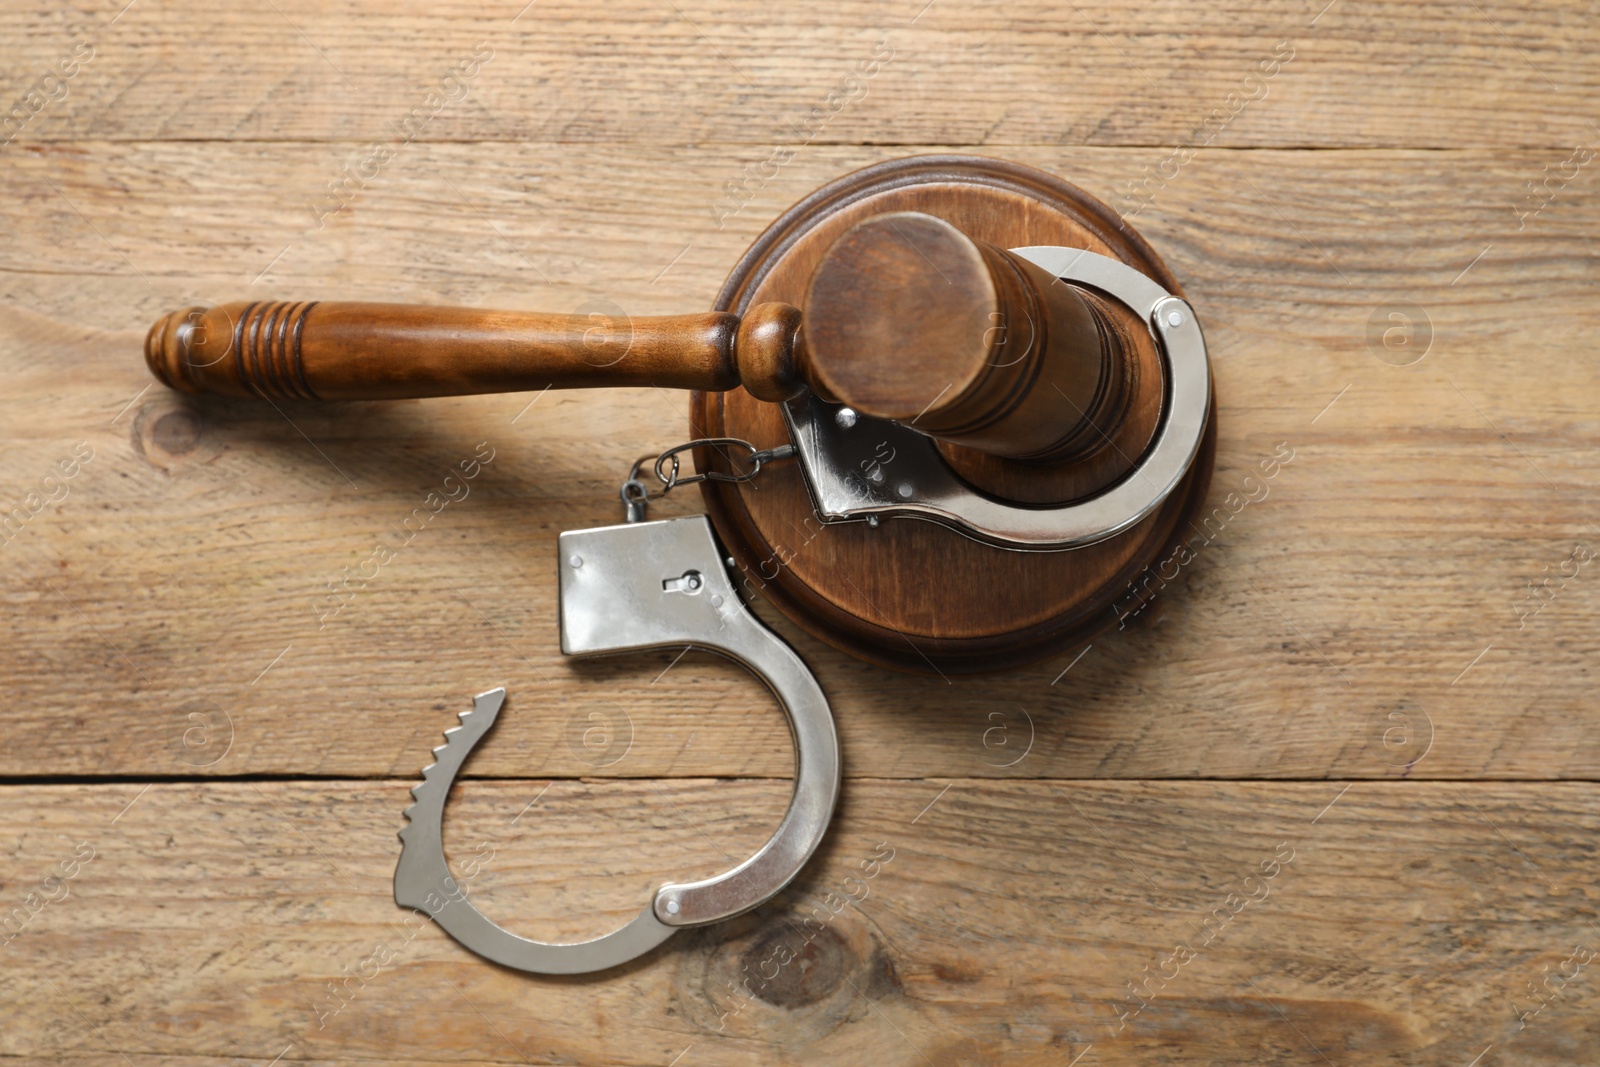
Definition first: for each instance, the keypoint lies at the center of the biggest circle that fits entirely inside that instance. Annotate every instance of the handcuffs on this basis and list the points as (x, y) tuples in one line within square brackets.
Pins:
[(655, 584)]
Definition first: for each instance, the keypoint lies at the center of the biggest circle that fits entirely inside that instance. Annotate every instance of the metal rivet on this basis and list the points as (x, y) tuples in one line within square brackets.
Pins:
[(576, 561), (872, 521), (904, 489), (716, 600), (876, 474), (845, 417), (672, 907), (1174, 318)]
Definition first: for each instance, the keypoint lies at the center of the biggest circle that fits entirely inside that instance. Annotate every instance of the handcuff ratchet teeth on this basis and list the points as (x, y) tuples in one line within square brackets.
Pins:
[(640, 585)]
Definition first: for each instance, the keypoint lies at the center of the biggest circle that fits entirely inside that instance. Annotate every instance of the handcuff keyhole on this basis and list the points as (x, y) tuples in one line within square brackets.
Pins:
[(690, 582)]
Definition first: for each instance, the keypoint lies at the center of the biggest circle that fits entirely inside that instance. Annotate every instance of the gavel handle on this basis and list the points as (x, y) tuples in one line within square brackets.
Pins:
[(352, 351)]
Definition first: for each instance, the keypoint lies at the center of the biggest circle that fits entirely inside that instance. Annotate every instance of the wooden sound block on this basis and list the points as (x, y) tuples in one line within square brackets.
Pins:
[(910, 594)]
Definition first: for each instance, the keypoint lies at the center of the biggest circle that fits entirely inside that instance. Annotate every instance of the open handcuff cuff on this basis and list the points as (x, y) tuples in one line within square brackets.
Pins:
[(656, 584)]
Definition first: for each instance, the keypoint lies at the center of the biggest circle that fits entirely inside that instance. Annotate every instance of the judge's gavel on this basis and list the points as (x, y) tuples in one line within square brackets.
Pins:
[(969, 343), (906, 318)]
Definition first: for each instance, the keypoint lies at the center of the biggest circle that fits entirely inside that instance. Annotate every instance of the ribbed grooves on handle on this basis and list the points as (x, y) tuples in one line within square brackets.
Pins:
[(267, 341)]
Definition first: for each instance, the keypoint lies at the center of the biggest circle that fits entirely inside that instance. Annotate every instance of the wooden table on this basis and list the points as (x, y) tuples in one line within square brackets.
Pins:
[(1331, 801)]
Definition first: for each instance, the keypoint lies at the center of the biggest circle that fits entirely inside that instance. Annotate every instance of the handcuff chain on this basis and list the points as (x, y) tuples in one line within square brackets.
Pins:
[(667, 468)]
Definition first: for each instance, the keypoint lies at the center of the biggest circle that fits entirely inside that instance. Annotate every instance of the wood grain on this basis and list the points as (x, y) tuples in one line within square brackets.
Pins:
[(1413, 75), (1393, 549), (1397, 603), (1392, 923)]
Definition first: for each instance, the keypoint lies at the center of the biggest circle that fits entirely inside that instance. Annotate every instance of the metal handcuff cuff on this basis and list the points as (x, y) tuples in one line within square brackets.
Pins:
[(654, 584)]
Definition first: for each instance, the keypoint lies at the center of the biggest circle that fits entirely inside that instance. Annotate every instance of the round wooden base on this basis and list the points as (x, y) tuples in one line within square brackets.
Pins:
[(910, 594)]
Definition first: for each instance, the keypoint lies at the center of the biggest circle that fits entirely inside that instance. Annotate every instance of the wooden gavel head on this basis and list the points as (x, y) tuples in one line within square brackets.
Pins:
[(892, 293), (909, 319)]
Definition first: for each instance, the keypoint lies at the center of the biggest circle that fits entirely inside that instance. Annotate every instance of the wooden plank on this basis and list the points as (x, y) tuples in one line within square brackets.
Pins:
[(1369, 617), (1400, 604), (1392, 923), (746, 75)]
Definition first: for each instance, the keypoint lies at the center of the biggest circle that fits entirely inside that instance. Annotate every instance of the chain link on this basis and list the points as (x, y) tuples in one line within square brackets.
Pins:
[(668, 470)]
